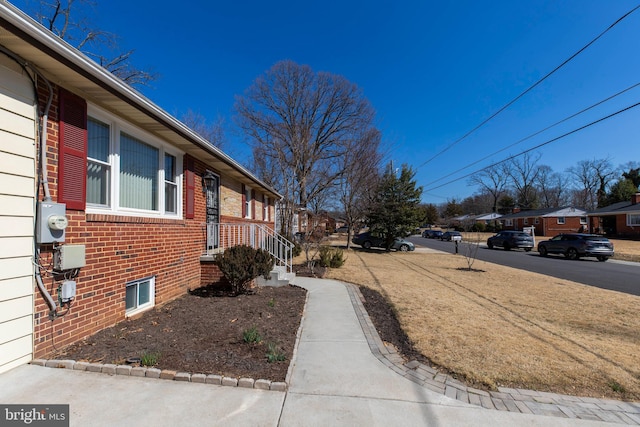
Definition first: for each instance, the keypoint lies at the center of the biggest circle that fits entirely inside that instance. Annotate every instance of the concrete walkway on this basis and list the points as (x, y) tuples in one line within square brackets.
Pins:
[(341, 375)]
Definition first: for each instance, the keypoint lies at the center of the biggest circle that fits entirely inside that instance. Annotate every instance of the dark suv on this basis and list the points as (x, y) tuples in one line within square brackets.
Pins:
[(511, 239), (576, 245)]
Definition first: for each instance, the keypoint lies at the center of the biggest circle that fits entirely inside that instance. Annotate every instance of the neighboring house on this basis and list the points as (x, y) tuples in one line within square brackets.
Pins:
[(469, 220), (487, 219), (130, 208), (547, 222), (620, 219)]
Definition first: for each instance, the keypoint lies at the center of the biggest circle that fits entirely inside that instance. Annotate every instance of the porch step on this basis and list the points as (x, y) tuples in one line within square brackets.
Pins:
[(278, 277)]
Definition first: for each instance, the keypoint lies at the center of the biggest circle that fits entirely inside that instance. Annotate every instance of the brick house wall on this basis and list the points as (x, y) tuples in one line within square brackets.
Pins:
[(120, 249), (623, 229)]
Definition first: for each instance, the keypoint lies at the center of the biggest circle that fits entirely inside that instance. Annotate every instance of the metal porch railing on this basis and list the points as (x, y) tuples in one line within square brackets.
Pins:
[(222, 236)]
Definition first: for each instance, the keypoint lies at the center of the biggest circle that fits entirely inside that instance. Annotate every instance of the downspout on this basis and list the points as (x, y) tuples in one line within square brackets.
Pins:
[(42, 173)]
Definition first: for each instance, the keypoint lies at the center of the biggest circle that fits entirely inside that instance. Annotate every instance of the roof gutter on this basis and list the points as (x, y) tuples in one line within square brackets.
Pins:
[(21, 24)]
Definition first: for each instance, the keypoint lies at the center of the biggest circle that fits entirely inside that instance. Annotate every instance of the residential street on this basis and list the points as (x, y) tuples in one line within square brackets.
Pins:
[(613, 275)]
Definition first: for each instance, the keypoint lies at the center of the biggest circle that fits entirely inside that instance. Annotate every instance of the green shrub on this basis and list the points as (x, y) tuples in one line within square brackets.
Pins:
[(242, 264), (297, 249), (479, 227), (251, 335), (331, 257), (149, 358), (274, 353)]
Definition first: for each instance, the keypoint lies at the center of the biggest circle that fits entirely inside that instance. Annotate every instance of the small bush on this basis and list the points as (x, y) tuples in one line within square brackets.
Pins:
[(241, 264), (251, 335), (149, 358), (331, 257), (479, 227), (274, 353), (297, 249)]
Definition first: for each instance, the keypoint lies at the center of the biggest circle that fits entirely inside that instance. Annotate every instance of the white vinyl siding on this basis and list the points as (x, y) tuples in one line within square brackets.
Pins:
[(17, 201)]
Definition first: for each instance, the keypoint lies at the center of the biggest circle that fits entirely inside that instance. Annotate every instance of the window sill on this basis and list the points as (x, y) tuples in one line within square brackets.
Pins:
[(100, 217)]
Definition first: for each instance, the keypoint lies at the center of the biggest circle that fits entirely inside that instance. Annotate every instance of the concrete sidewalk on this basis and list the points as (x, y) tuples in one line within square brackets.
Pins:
[(337, 377)]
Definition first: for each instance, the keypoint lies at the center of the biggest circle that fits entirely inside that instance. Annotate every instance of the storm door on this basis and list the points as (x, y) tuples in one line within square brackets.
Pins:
[(213, 210)]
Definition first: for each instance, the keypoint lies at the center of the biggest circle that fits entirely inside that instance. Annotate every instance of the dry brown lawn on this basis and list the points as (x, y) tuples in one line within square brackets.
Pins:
[(506, 327)]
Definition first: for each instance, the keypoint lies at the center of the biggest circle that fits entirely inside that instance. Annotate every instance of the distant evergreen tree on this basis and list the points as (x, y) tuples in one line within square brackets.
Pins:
[(621, 191), (395, 209)]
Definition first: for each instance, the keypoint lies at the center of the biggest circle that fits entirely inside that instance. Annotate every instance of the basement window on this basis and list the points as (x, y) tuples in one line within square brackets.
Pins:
[(140, 295)]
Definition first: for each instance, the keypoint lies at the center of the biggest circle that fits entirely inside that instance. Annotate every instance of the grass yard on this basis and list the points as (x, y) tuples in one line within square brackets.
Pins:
[(507, 327)]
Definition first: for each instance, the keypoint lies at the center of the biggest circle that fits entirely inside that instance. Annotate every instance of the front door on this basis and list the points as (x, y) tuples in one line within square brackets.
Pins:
[(213, 211)]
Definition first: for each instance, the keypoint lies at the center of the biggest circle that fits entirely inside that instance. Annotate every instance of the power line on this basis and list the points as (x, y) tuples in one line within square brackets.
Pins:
[(536, 147), (609, 98), (507, 105)]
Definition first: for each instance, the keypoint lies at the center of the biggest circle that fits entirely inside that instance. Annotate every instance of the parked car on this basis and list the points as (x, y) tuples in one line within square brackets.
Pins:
[(576, 245), (367, 241), (451, 236), (432, 234), (510, 240)]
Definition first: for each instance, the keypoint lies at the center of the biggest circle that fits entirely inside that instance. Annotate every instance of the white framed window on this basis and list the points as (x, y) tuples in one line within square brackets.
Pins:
[(140, 295), (526, 221), (536, 221), (129, 171), (508, 222), (247, 202), (561, 220), (99, 163), (265, 209), (583, 220), (633, 219), (170, 184)]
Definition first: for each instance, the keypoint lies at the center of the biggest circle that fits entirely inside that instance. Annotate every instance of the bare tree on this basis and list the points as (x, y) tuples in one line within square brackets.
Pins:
[(64, 19), (211, 131), (492, 180), (523, 171), (552, 187), (361, 166), (301, 122), (594, 177)]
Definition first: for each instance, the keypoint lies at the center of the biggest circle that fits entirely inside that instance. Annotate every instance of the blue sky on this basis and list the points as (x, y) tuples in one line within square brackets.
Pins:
[(432, 70)]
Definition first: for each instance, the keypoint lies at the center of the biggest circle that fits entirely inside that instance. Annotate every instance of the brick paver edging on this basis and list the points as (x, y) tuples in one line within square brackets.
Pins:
[(505, 399), (165, 374), (139, 371)]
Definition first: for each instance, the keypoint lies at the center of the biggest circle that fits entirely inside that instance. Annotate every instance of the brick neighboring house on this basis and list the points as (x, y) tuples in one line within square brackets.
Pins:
[(146, 202), (547, 222), (619, 219)]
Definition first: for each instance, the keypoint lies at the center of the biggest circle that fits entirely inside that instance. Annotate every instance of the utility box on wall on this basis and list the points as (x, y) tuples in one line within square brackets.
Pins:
[(51, 222), (69, 257)]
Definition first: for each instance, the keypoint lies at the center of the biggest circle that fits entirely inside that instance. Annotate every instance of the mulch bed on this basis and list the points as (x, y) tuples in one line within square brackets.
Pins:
[(202, 332)]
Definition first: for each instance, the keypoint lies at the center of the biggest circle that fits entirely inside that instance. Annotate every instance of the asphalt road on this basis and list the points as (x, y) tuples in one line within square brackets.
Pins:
[(614, 275)]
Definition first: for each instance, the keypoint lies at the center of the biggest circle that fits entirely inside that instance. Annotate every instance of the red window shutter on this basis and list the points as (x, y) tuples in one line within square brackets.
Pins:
[(72, 166), (244, 201), (190, 196), (253, 204)]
